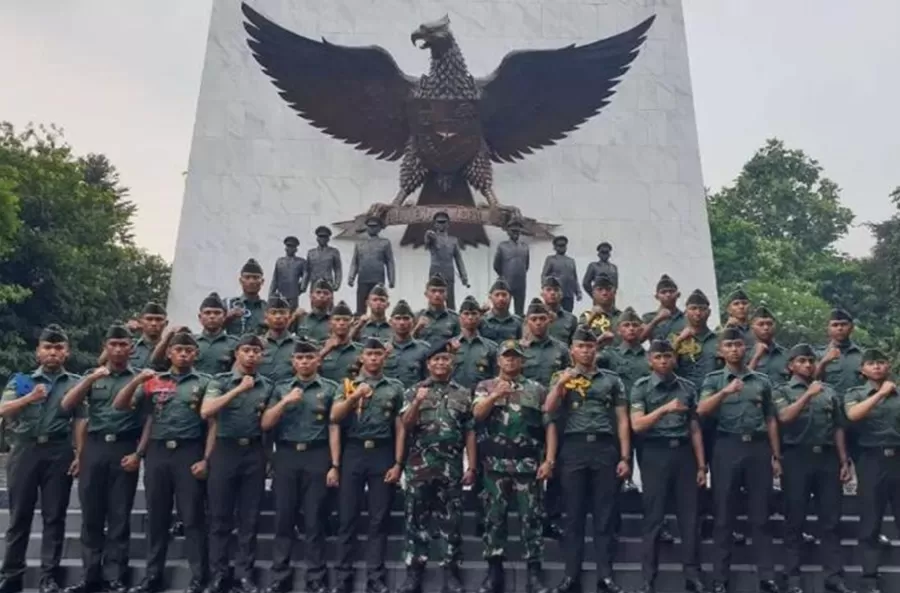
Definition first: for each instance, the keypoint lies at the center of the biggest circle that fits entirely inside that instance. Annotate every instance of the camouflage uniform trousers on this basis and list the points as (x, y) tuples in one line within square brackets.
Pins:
[(498, 489), (440, 498)]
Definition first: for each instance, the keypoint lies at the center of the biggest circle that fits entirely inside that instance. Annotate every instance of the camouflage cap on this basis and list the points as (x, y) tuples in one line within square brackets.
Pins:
[(510, 346)]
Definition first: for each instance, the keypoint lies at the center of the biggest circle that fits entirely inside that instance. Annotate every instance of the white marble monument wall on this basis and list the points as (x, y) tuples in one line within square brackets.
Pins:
[(630, 176)]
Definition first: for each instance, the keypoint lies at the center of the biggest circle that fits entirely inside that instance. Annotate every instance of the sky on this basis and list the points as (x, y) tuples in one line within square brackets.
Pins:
[(122, 78)]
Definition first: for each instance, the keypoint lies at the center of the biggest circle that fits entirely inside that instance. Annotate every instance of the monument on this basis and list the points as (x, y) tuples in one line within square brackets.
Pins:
[(625, 164)]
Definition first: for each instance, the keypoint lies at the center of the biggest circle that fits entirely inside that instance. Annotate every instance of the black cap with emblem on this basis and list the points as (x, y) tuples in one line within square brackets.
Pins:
[(291, 241), (583, 333), (118, 331), (801, 349), (665, 282), (537, 307), (510, 347), (304, 346), (323, 231), (250, 340), (438, 347), (341, 310), (697, 298), (212, 301), (730, 334), (182, 339), (838, 314), (152, 308), (372, 343), (252, 267), (500, 284), (402, 309), (53, 334)]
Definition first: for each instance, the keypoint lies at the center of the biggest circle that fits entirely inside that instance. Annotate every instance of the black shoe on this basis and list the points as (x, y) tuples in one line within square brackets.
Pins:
[(665, 536), (49, 585), (873, 589), (316, 587), (115, 586), (85, 587), (219, 584), (195, 586), (719, 587), (884, 541), (810, 539), (177, 529), (838, 587), (10, 584), (646, 588), (769, 586), (534, 580), (413, 582), (298, 535), (695, 585), (148, 585), (245, 585), (738, 539), (629, 486), (344, 585), (608, 585), (568, 585), (279, 586), (376, 585), (494, 579), (794, 589), (553, 531), (452, 582)]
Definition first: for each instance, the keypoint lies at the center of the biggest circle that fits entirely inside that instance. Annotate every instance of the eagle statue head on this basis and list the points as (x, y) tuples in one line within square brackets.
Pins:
[(435, 36)]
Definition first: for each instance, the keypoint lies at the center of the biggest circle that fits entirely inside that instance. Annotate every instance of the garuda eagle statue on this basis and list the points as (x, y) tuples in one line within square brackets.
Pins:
[(447, 126)]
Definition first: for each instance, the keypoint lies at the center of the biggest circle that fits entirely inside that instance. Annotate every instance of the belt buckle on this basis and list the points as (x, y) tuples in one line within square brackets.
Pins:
[(674, 443), (301, 446), (243, 442), (171, 444), (109, 438), (817, 448), (43, 439), (746, 438), (889, 452), (369, 444), (591, 438)]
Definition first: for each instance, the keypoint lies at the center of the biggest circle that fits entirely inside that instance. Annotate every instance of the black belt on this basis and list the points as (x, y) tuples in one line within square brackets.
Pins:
[(589, 437), (240, 441), (511, 451), (667, 443), (116, 437), (44, 439), (753, 437), (885, 451), (172, 444), (370, 443), (302, 446), (808, 448)]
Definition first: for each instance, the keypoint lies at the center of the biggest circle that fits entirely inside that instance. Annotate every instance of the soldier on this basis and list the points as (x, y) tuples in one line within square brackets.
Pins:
[(108, 471), (374, 324), (176, 458), (445, 252), (234, 403), (475, 356), (368, 412), (601, 266), (747, 450), (563, 267), (323, 262), (315, 325), (738, 309), (666, 322), (279, 342), (769, 357), (373, 258), (287, 278), (815, 463), (437, 422), (41, 460), (246, 313), (511, 262), (405, 361), (340, 355), (628, 359), (590, 408), (874, 410), (516, 435), (152, 322), (306, 462), (696, 346), (603, 316), (664, 414), (498, 324), (436, 322), (563, 323), (216, 346), (841, 359)]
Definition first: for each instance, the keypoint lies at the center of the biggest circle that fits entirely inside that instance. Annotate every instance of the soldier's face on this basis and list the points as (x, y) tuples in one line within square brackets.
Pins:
[(153, 325), (322, 240), (510, 364), (373, 360), (440, 366), (551, 295), (340, 325), (378, 305), (697, 315), (584, 352), (402, 325), (211, 319), (373, 228), (604, 296), (278, 319), (306, 364), (117, 351), (739, 309), (469, 320), (732, 351), (290, 250), (839, 331), (630, 331), (764, 329), (603, 253), (514, 234), (441, 225), (182, 356), (251, 283), (876, 370), (668, 297), (52, 355), (500, 300), (437, 297), (248, 357), (662, 363), (537, 324), (803, 366), (560, 248), (320, 298)]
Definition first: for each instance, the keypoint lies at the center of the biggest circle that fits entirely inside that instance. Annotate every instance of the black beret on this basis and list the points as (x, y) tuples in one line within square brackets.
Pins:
[(603, 244), (537, 307), (250, 340), (252, 267), (730, 333), (838, 314), (182, 339), (276, 301), (291, 240), (304, 346), (402, 309), (212, 301), (322, 284), (583, 333), (153, 309), (373, 343), (469, 304), (762, 312), (500, 284), (666, 283), (551, 282), (438, 347), (602, 280), (436, 281), (440, 216), (53, 334), (801, 350), (341, 310), (323, 231), (738, 294), (874, 355), (629, 315), (698, 297), (560, 239), (118, 331), (379, 290), (660, 346)]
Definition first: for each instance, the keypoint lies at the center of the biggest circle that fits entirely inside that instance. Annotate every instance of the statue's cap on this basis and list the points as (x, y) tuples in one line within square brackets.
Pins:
[(291, 240), (323, 231), (441, 216), (560, 239)]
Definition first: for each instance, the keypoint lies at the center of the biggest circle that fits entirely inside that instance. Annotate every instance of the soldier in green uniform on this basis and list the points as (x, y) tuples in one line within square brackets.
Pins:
[(374, 324), (590, 409), (339, 354), (748, 450), (406, 355), (769, 357), (41, 460), (276, 363), (176, 458), (234, 403), (438, 426), (475, 356), (664, 414), (815, 463), (216, 346), (696, 346), (873, 408), (153, 321), (562, 322), (603, 317), (738, 310), (247, 313), (108, 470), (306, 462), (668, 320), (628, 359), (368, 412), (499, 323), (436, 322), (841, 359), (315, 324), (518, 453)]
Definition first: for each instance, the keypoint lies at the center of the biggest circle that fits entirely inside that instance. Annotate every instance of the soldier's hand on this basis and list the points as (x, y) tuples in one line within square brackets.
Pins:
[(663, 314), (776, 468), (350, 282), (391, 284), (486, 306), (294, 396), (133, 325), (832, 354), (686, 333), (364, 390), (887, 387), (701, 477), (131, 463), (502, 389), (760, 348), (422, 322), (623, 470), (333, 478), (331, 343), (468, 477), (146, 374), (455, 345), (732, 322), (676, 406), (606, 338), (300, 313), (545, 470), (393, 475), (567, 375), (578, 296), (388, 348), (74, 467), (39, 393), (421, 394), (247, 383), (100, 372), (734, 387), (200, 469), (465, 283), (363, 319), (815, 388), (234, 313), (846, 473)]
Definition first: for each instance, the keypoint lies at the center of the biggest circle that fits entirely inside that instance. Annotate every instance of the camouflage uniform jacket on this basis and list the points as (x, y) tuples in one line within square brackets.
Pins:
[(514, 431)]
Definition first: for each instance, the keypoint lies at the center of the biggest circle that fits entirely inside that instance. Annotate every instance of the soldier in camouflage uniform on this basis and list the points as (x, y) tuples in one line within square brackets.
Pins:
[(518, 452), (405, 361), (499, 324), (216, 354), (562, 322), (668, 319), (603, 317), (437, 421)]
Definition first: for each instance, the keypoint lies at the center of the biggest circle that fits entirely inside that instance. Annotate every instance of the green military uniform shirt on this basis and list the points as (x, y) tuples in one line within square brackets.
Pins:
[(442, 325), (816, 423), (337, 364), (436, 443), (668, 329), (843, 373), (378, 329), (497, 328), (600, 321), (174, 400), (773, 364), (102, 417), (881, 427), (277, 360), (240, 419), (406, 362), (253, 321), (653, 392), (315, 326), (475, 361), (141, 353), (629, 362), (744, 413), (697, 357), (543, 358), (589, 404), (45, 418), (376, 415), (307, 420), (512, 436), (215, 352), (562, 325)]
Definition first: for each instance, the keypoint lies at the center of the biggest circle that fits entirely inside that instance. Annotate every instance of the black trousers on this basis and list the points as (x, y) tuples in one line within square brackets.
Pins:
[(749, 464), (362, 294), (588, 473), (362, 474), (567, 303), (32, 468), (237, 481), (300, 481), (168, 477), (106, 492), (810, 472), (553, 499), (878, 472), (669, 468)]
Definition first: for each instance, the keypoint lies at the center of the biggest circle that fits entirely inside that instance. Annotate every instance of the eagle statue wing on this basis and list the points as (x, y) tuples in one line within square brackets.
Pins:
[(536, 97), (355, 94)]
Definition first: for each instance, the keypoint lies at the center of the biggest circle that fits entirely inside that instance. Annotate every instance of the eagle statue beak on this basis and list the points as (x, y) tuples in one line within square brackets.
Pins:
[(419, 34)]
